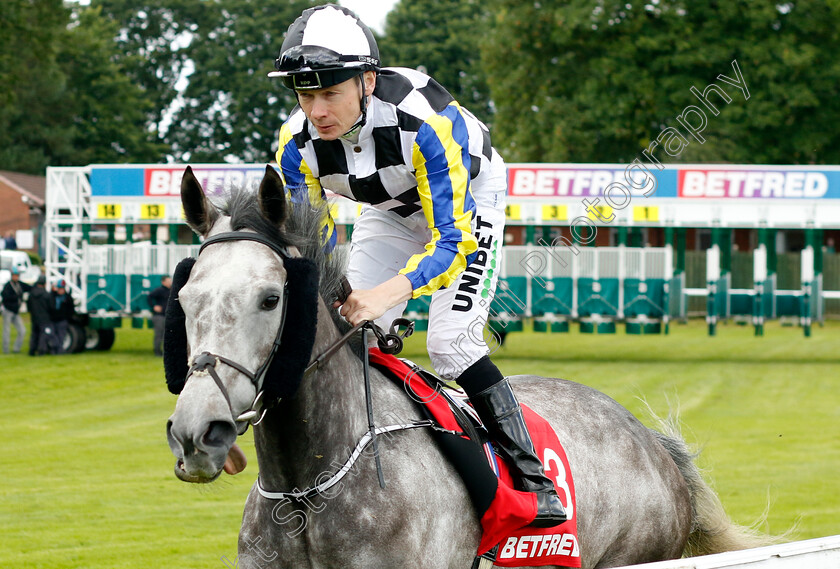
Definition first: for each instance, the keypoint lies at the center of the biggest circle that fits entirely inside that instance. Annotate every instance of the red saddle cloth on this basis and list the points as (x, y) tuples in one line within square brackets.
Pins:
[(506, 522)]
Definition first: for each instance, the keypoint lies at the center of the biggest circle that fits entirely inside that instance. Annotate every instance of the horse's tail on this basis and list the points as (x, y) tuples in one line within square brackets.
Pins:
[(712, 531)]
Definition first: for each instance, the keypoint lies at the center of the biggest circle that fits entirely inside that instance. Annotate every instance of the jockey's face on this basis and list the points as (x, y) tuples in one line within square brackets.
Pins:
[(334, 110)]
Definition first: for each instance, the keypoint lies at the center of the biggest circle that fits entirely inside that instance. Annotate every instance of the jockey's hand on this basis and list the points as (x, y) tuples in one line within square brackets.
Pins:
[(370, 304)]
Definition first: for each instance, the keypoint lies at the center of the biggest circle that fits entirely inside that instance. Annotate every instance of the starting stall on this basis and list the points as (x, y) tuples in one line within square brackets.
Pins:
[(594, 245)]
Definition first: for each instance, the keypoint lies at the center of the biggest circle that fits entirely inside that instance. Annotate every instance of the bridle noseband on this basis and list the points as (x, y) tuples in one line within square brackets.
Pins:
[(206, 362)]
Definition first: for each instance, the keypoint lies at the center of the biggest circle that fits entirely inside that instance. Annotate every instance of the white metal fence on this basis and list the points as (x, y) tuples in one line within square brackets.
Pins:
[(822, 553)]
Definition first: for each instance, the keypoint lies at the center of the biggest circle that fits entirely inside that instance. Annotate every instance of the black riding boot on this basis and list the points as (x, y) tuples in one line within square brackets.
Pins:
[(500, 411)]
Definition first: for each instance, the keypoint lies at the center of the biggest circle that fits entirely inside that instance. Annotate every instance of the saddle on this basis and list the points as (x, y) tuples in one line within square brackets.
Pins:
[(504, 511)]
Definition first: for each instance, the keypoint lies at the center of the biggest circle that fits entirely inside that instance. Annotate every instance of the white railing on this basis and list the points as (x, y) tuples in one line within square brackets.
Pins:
[(821, 553)]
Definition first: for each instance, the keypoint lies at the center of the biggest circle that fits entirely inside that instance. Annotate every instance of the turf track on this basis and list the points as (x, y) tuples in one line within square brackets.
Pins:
[(87, 475)]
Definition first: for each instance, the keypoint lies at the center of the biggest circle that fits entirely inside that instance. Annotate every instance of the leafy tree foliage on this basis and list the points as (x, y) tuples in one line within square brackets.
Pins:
[(31, 84), (152, 36), (108, 112), (567, 80), (579, 81), (231, 107), (222, 50), (441, 38), (65, 99)]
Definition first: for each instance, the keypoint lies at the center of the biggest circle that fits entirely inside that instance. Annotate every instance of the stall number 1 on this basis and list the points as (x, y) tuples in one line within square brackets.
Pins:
[(646, 213)]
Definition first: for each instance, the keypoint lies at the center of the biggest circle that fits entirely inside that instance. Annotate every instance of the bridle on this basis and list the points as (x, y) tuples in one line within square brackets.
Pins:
[(206, 362)]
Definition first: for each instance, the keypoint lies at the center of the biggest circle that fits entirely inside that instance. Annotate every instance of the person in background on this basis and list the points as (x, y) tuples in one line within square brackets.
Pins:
[(157, 302), (12, 296), (39, 312), (10, 241), (62, 311)]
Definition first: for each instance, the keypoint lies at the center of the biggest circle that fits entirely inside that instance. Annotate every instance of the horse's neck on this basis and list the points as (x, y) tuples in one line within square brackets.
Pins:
[(315, 431)]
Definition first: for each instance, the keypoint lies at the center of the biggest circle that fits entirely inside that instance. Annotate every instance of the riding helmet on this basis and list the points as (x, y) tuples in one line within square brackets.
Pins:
[(325, 46)]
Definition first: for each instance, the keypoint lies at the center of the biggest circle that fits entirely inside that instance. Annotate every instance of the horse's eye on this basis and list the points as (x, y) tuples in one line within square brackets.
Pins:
[(270, 303)]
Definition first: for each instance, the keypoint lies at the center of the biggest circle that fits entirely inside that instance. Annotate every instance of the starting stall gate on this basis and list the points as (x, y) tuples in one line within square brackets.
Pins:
[(598, 287), (552, 286)]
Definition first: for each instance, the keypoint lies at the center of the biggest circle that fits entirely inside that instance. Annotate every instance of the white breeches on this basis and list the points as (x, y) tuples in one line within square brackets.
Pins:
[(381, 245)]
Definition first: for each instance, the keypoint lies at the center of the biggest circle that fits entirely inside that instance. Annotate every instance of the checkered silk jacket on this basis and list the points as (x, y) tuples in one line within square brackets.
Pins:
[(418, 150)]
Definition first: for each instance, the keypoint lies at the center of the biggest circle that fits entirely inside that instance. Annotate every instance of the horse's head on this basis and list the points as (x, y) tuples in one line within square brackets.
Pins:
[(224, 323)]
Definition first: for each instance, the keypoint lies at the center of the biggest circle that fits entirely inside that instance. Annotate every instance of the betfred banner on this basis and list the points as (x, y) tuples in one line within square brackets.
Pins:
[(165, 181), (557, 181), (690, 182), (573, 180), (764, 184)]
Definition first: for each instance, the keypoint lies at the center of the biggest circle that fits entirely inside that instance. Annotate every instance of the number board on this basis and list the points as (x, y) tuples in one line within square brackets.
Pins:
[(600, 213), (646, 213), (132, 211), (555, 212), (112, 211), (153, 211), (513, 212)]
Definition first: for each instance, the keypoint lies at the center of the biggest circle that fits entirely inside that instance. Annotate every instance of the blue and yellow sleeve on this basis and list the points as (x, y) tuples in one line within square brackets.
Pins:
[(441, 160), (301, 185)]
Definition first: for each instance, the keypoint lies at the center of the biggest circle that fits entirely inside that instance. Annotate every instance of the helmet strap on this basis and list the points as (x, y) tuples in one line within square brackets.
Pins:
[(363, 107)]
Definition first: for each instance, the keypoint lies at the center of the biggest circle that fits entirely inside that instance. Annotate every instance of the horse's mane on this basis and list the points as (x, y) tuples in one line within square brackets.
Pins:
[(302, 229)]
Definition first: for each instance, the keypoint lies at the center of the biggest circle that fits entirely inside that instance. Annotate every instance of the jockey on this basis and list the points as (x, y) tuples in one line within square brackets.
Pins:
[(433, 223)]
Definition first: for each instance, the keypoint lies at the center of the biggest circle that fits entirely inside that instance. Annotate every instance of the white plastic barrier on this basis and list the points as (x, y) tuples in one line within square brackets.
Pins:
[(821, 553)]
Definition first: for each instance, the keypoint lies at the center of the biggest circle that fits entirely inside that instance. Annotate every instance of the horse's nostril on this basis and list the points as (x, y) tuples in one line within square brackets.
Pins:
[(219, 433)]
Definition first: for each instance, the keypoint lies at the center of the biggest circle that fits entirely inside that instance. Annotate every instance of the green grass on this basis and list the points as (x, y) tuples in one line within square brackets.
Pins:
[(87, 475)]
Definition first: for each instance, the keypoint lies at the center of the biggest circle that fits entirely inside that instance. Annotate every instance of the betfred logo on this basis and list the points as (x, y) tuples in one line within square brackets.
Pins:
[(167, 181), (531, 546), (751, 184)]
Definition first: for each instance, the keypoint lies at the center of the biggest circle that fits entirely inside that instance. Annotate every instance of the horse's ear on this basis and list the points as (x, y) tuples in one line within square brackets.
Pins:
[(273, 197), (200, 214)]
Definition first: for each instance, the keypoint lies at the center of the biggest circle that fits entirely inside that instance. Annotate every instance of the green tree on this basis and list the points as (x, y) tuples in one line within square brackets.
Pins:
[(108, 112), (231, 109), (441, 38), (32, 84), (153, 37), (203, 65), (582, 82), (66, 100)]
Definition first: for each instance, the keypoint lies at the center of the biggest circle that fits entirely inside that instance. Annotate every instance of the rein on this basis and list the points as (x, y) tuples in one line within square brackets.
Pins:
[(390, 343), (366, 440), (393, 341)]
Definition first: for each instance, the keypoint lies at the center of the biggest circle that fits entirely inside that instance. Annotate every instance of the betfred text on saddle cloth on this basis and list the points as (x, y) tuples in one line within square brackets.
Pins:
[(506, 514)]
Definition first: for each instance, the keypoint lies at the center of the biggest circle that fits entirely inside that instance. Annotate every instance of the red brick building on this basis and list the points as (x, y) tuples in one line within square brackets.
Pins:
[(21, 202)]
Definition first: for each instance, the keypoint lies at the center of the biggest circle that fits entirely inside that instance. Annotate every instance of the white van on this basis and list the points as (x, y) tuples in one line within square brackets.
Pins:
[(8, 259)]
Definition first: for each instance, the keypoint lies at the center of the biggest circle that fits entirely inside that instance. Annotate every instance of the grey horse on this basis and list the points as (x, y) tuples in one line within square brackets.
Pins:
[(640, 497)]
